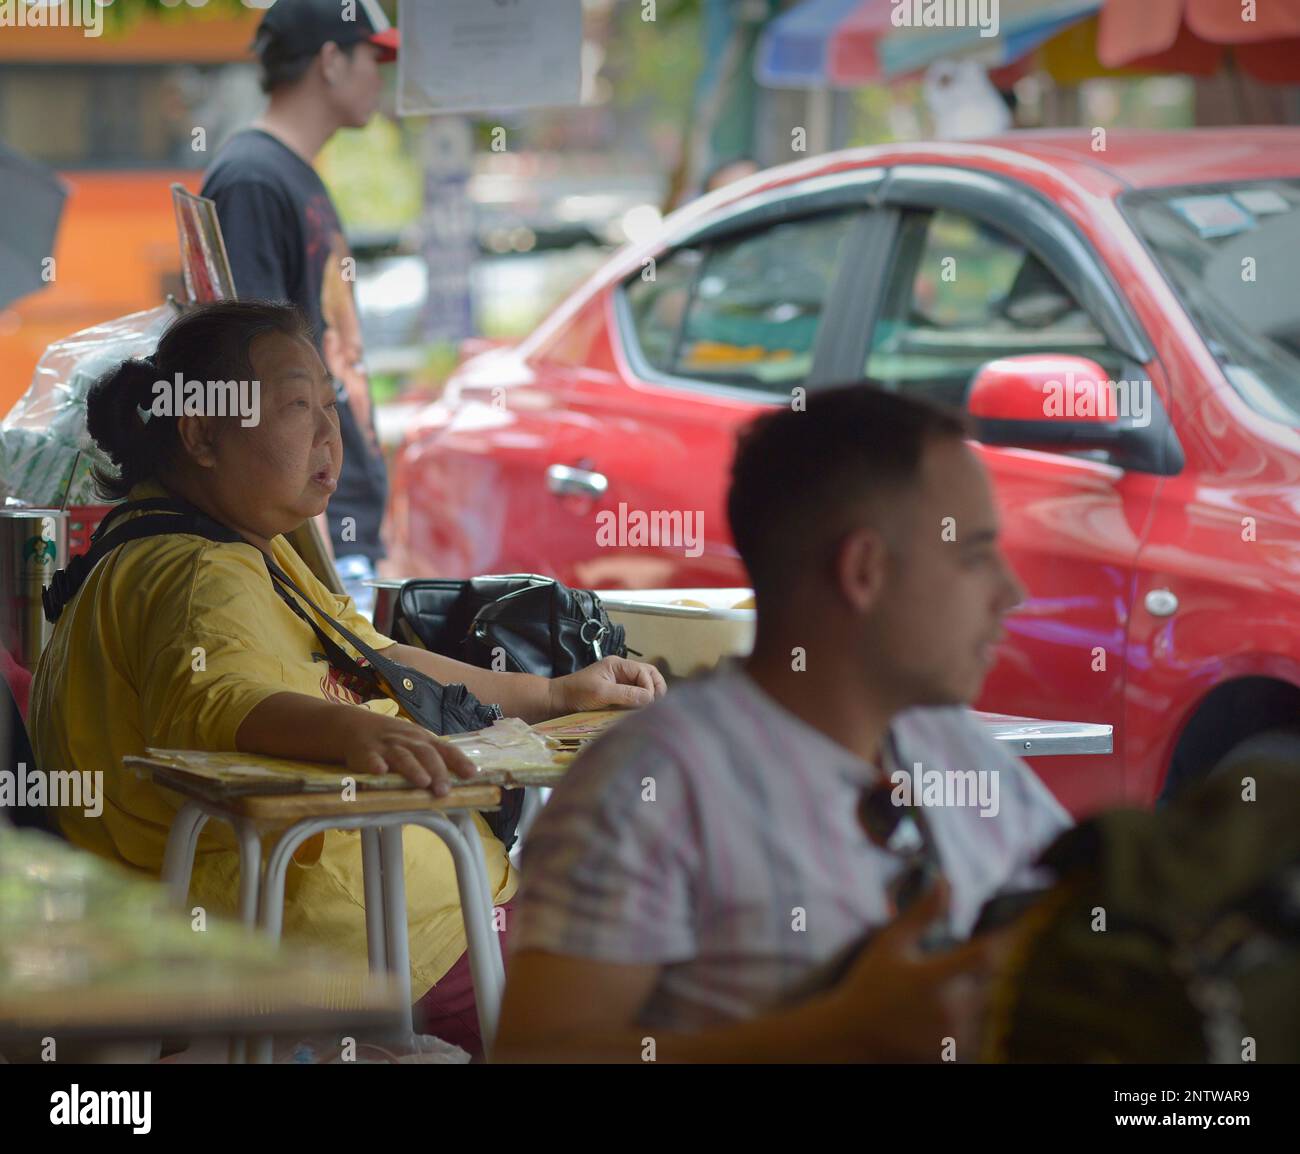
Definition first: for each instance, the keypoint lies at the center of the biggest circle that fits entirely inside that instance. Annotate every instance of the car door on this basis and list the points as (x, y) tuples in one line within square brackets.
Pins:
[(983, 269), (719, 326), (468, 483)]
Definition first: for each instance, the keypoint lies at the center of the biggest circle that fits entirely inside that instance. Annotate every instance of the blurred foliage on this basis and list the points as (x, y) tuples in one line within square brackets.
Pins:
[(119, 15), (374, 174), (654, 64)]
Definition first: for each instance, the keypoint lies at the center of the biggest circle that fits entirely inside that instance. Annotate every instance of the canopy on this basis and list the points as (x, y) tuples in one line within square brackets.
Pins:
[(1193, 36), (847, 43), (1021, 27)]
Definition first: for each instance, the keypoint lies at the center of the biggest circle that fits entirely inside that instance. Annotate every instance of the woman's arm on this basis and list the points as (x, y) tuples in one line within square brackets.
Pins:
[(294, 725), (609, 683), (519, 694)]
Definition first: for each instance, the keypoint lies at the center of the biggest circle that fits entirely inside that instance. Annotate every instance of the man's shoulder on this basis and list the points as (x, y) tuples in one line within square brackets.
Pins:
[(704, 704), (946, 729), (952, 738), (681, 730), (247, 158)]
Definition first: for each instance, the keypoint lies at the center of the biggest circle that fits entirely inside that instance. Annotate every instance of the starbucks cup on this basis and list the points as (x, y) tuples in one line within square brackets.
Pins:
[(33, 545)]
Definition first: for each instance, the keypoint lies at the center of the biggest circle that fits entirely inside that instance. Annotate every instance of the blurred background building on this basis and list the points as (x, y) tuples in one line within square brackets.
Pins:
[(671, 91)]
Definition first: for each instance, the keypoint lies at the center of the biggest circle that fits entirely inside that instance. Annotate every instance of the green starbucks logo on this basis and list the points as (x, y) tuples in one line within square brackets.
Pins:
[(40, 550)]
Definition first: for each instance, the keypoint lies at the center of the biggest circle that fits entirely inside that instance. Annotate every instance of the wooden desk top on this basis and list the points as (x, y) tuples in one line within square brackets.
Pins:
[(272, 789), (329, 801)]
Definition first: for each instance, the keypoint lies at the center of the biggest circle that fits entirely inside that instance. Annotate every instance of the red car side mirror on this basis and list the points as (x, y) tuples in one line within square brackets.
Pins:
[(1048, 400)]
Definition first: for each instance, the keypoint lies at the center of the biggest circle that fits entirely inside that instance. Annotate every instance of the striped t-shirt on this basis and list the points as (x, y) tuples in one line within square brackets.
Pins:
[(716, 834)]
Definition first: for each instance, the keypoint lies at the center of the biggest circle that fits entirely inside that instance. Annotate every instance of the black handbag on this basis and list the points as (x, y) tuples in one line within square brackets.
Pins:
[(516, 623), (442, 709)]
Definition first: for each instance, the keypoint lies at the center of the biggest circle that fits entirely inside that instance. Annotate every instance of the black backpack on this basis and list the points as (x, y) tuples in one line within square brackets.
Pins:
[(1198, 956)]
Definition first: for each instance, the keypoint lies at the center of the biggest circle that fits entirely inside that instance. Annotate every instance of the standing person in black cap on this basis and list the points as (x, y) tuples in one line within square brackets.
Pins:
[(320, 69)]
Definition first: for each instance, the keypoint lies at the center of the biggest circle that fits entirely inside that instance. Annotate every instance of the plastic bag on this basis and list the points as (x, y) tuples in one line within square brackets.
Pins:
[(46, 455), (506, 745)]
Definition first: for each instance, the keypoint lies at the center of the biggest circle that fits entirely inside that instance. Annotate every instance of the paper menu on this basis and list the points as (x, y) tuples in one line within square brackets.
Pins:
[(468, 55)]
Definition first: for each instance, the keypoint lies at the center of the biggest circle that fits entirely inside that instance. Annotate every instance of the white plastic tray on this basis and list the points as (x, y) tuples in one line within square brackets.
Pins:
[(683, 640)]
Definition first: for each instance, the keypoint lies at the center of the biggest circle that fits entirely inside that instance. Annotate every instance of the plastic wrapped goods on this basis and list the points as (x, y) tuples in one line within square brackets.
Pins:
[(46, 455)]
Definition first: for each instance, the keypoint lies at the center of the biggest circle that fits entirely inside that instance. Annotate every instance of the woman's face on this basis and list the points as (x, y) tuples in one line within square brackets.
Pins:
[(271, 476)]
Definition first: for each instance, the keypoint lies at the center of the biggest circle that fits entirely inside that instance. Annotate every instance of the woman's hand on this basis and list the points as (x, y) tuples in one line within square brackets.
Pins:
[(611, 682), (377, 743)]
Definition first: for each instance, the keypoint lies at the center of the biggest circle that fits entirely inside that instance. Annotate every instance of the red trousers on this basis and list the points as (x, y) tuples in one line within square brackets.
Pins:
[(448, 1011)]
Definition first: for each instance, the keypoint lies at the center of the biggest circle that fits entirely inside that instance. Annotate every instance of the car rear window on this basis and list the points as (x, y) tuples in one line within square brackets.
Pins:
[(743, 311)]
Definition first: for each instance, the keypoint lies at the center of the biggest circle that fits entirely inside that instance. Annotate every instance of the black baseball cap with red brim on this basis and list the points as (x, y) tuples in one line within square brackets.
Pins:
[(300, 28)]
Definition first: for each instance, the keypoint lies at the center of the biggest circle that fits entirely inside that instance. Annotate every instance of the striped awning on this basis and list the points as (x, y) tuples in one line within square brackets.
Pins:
[(847, 43), (1022, 26)]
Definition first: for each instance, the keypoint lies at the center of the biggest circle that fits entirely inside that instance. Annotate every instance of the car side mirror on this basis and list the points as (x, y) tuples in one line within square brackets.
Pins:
[(1049, 401), (1063, 403)]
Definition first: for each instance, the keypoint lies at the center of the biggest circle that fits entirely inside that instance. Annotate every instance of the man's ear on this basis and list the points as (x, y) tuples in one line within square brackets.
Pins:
[(332, 62), (859, 567)]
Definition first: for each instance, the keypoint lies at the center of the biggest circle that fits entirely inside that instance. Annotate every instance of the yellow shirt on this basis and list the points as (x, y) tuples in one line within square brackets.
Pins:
[(170, 643)]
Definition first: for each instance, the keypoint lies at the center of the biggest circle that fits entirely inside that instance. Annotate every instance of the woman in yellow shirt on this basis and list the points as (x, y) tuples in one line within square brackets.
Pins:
[(180, 642)]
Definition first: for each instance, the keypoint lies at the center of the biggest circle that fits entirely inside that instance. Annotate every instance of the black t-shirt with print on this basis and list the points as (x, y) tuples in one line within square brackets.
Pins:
[(285, 243)]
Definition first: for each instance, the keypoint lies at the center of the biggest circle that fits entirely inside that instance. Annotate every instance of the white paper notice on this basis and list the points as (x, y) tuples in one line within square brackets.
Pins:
[(478, 55)]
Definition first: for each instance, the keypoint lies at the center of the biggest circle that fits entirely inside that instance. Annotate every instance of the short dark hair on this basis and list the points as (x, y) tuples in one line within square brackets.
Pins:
[(280, 70), (206, 342), (800, 475)]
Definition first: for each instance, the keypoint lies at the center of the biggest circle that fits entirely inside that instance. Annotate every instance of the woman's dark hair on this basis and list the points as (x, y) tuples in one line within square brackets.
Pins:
[(208, 342)]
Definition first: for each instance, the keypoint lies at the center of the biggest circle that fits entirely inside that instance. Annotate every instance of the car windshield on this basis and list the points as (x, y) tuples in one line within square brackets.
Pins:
[(1232, 253)]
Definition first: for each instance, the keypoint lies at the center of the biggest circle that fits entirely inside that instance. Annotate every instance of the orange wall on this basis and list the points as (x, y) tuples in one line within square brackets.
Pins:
[(192, 36), (115, 251)]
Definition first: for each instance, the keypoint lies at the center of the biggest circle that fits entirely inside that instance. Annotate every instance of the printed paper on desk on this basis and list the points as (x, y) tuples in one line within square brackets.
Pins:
[(471, 56)]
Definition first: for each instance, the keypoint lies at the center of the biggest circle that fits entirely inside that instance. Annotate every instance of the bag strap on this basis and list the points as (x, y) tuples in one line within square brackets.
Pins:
[(377, 669), (182, 517), (65, 583)]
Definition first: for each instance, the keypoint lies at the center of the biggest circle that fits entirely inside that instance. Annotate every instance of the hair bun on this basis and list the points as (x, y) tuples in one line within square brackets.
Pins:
[(111, 416)]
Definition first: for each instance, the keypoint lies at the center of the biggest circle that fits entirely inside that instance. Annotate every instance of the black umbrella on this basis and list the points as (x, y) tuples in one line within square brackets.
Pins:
[(31, 202)]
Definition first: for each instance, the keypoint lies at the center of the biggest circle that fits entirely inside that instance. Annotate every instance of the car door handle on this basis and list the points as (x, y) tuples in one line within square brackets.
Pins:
[(564, 480)]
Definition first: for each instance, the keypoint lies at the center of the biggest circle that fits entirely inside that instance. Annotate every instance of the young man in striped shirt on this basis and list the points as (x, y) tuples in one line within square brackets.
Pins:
[(701, 885)]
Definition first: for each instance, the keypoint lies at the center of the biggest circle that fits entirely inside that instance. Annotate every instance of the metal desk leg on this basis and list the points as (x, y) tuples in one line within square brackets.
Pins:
[(534, 798), (474, 844), (395, 927), (182, 843), (372, 872), (471, 880), (250, 870), (272, 897), (476, 909), (277, 865), (250, 884)]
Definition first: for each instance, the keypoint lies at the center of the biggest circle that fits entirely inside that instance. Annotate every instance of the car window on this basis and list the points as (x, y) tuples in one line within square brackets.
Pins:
[(962, 293), (746, 310), (658, 299), (1218, 245)]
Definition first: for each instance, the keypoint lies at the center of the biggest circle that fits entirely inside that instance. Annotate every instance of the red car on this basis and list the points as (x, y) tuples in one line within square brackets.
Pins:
[(1121, 317)]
